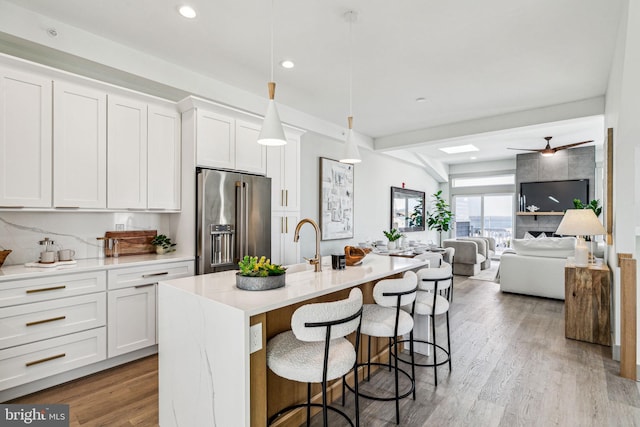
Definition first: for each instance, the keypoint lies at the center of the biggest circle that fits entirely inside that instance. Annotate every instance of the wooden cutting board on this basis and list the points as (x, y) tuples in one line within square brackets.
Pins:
[(131, 242)]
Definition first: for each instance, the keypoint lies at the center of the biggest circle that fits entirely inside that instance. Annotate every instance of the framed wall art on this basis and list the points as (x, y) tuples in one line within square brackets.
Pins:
[(336, 199)]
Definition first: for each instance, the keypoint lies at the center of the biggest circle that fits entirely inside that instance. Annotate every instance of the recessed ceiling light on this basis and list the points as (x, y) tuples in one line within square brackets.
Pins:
[(287, 63), (52, 32), (187, 11), (421, 99), (459, 149), (473, 157)]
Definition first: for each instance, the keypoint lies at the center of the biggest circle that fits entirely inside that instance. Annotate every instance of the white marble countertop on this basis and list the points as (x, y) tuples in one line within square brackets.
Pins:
[(300, 286), (15, 272)]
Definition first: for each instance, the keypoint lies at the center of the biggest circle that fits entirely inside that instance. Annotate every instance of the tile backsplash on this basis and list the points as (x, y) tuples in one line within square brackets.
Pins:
[(21, 231)]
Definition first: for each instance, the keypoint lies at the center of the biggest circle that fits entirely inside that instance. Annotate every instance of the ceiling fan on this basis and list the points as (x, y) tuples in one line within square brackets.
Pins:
[(548, 151)]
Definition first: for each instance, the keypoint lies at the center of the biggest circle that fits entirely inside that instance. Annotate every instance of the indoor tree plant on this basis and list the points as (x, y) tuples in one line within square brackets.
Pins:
[(594, 205), (392, 235), (439, 217)]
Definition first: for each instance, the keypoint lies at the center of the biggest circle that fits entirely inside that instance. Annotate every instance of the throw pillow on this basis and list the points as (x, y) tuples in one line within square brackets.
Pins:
[(528, 235), (541, 236)]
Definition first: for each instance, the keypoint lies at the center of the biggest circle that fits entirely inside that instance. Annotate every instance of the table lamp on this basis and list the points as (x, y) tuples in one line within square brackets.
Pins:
[(580, 222)]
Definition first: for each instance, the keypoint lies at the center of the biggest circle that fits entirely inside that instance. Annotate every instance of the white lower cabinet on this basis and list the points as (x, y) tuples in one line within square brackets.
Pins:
[(60, 322), (41, 359), (131, 304), (132, 319)]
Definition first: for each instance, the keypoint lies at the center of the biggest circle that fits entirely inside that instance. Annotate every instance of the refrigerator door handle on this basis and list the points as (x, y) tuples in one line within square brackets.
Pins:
[(242, 215), (245, 219)]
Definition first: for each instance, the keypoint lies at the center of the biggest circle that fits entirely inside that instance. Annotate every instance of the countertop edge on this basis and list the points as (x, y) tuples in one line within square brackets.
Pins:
[(20, 272)]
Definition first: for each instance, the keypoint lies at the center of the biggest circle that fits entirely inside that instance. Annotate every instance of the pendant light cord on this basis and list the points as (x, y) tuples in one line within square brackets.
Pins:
[(271, 58), (351, 65)]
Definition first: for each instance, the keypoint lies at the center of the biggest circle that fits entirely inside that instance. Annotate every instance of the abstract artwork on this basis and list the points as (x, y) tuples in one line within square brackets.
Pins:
[(336, 199)]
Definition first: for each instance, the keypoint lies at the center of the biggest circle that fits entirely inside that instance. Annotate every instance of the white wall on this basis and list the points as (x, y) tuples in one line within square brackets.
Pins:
[(21, 231), (621, 113), (373, 179)]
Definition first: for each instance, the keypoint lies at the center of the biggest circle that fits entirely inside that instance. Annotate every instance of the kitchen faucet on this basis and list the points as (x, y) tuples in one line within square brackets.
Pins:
[(317, 261)]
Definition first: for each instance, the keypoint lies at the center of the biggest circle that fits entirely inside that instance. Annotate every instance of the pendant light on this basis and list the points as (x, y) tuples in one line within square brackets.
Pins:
[(272, 132), (351, 153)]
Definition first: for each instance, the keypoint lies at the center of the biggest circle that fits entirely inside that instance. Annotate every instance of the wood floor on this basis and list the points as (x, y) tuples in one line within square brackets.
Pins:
[(512, 366)]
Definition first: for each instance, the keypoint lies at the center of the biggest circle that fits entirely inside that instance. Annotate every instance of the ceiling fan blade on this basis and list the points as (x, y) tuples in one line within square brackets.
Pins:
[(564, 147), (535, 150)]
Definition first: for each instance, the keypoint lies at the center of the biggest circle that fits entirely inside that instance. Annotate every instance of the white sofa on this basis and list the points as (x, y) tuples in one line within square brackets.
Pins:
[(536, 266)]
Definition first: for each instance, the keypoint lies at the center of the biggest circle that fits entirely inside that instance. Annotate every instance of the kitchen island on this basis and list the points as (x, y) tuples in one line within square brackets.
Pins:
[(212, 340)]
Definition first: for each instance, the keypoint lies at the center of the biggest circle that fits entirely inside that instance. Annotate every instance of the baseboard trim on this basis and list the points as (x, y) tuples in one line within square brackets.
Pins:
[(32, 387)]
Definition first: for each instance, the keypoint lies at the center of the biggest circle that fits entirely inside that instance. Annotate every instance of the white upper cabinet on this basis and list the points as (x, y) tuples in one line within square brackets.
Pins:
[(283, 249), (25, 139), (79, 146), (163, 166), (224, 138), (283, 166), (215, 136), (250, 156), (127, 153)]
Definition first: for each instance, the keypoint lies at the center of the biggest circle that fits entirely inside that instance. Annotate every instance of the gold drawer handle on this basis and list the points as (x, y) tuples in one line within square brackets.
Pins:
[(53, 288), (46, 359), (39, 322), (144, 276)]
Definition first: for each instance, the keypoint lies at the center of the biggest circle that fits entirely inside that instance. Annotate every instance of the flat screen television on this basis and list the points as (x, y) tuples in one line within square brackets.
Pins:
[(554, 196)]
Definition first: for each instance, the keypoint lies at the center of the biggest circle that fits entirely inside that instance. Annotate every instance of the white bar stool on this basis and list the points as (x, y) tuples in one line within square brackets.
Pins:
[(315, 350), (435, 290), (387, 319)]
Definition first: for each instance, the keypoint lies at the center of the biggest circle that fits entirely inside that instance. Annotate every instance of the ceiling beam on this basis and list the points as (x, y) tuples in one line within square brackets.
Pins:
[(552, 113)]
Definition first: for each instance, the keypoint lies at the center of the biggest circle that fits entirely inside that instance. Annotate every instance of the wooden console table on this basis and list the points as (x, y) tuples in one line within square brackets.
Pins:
[(587, 303)]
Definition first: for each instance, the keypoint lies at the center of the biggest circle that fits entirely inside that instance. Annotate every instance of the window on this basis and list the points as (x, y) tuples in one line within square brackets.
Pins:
[(482, 181), (489, 215)]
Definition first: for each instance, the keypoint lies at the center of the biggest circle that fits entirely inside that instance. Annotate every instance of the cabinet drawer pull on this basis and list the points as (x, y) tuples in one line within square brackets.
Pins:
[(144, 286), (286, 199), (53, 288), (46, 359), (164, 273), (67, 207), (12, 207), (53, 319)]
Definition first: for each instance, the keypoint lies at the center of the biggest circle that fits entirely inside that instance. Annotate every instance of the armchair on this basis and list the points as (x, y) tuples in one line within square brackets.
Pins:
[(468, 255), (487, 250)]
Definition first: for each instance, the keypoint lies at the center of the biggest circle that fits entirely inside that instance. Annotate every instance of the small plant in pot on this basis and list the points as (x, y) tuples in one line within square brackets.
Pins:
[(392, 235), (258, 274), (163, 244)]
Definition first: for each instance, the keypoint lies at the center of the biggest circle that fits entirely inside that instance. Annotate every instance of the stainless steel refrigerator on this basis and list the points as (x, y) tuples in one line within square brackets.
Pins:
[(234, 219)]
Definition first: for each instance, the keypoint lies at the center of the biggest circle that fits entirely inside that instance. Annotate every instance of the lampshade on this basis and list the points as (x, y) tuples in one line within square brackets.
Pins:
[(351, 152), (272, 132), (580, 222)]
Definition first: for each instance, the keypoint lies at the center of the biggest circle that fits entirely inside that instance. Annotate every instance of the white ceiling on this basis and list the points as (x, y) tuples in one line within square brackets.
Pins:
[(469, 59)]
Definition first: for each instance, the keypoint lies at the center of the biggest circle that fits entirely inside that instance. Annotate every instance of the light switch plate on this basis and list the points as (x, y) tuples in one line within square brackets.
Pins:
[(255, 338)]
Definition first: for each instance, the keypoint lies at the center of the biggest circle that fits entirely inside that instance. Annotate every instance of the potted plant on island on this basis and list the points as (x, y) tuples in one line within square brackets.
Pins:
[(439, 217), (163, 244), (258, 274), (393, 235)]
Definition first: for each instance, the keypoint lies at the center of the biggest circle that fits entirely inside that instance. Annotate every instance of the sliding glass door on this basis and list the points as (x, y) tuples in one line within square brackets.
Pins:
[(488, 215)]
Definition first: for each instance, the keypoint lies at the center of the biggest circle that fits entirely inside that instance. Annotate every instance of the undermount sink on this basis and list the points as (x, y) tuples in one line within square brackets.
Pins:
[(299, 268), (304, 266)]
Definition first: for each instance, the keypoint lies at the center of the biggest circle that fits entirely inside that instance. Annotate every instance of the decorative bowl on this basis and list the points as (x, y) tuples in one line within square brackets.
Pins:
[(354, 255), (257, 283), (3, 255)]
